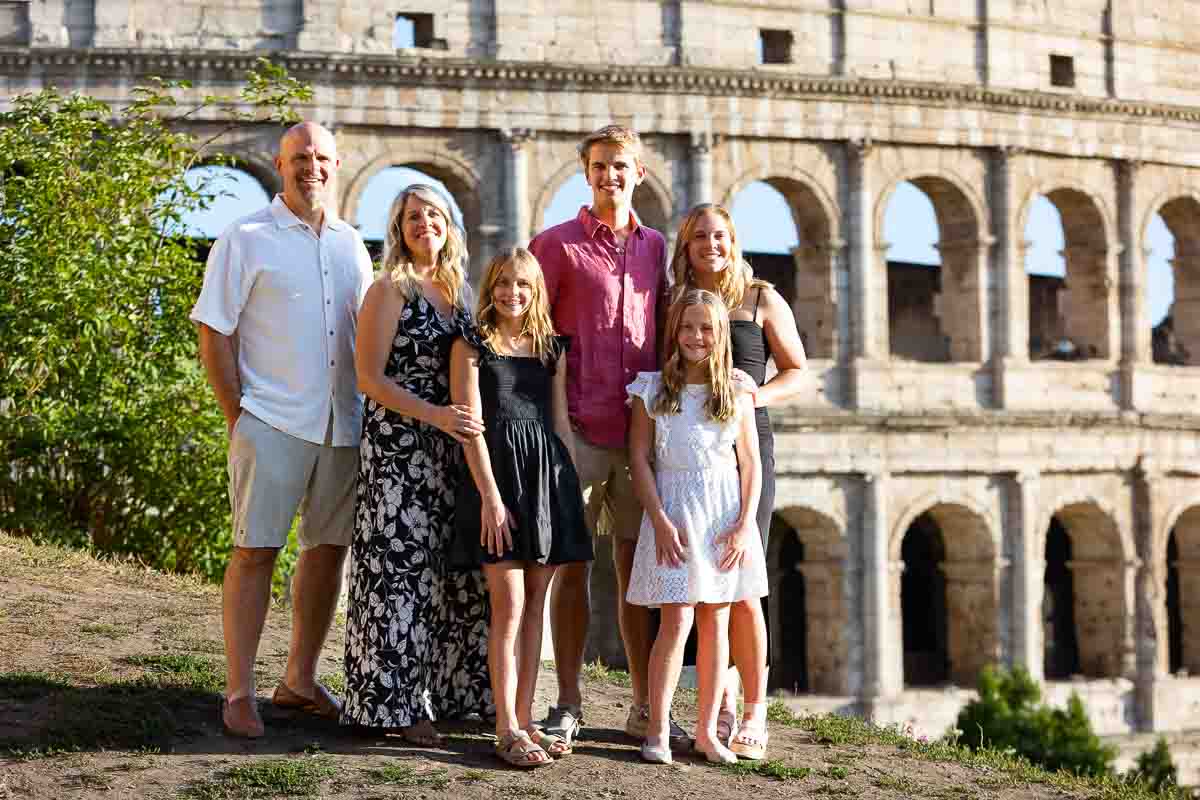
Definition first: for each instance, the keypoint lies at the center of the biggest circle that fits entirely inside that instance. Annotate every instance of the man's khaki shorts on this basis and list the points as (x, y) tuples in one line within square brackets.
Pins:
[(273, 475), (609, 501)]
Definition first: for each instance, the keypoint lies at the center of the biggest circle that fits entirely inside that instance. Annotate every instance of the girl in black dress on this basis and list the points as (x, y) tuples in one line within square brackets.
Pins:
[(519, 511), (762, 327)]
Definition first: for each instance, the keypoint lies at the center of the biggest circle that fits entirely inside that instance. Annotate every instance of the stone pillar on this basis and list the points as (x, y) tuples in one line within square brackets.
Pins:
[(1030, 569), (868, 286), (1135, 331), (881, 649), (516, 201), (1185, 310), (1008, 284), (1128, 665), (700, 190)]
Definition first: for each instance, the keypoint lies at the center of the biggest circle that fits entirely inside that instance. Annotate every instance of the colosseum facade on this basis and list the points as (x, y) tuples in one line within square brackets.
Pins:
[(936, 512)]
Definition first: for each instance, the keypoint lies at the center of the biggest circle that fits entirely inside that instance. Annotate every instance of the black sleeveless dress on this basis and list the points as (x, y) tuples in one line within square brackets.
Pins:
[(750, 354), (532, 467)]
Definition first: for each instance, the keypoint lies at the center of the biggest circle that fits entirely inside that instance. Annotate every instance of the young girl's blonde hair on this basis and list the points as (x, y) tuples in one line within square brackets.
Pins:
[(722, 403), (734, 280), (449, 272), (537, 323)]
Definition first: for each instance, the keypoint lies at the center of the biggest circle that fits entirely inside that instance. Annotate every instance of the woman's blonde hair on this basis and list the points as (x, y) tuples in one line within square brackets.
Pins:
[(734, 280), (537, 323), (722, 402), (449, 271)]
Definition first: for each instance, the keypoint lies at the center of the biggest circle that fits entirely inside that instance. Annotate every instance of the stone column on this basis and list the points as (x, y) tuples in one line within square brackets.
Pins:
[(517, 205), (868, 287), (1008, 286), (1135, 332), (880, 648), (700, 189), (1030, 568)]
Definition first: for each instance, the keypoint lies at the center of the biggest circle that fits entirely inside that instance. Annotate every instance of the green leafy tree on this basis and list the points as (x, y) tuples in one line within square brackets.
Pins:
[(109, 437), (1009, 715)]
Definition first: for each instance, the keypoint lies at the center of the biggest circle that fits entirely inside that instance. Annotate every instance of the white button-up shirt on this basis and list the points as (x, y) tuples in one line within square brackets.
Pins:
[(292, 297)]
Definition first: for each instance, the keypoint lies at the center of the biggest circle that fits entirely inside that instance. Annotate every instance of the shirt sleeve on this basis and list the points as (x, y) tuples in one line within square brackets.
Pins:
[(226, 286), (366, 271)]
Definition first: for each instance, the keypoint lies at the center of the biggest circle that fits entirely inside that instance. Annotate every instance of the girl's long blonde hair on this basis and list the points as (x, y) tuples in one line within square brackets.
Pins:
[(722, 402), (734, 280), (449, 272), (537, 322)]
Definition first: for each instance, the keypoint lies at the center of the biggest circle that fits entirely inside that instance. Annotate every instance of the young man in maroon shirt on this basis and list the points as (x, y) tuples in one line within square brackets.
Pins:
[(606, 274)]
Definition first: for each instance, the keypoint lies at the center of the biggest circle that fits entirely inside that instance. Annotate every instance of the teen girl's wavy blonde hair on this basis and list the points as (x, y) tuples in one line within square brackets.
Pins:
[(734, 280), (449, 271), (722, 400), (537, 323)]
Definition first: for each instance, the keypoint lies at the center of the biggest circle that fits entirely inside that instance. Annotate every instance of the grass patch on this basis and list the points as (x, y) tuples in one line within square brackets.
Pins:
[(335, 682), (276, 777), (405, 775), (475, 776), (601, 673), (107, 631), (182, 670), (837, 773), (897, 783), (24, 686), (768, 769)]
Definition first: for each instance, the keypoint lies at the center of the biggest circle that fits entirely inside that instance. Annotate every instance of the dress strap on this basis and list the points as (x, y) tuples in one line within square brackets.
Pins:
[(757, 297)]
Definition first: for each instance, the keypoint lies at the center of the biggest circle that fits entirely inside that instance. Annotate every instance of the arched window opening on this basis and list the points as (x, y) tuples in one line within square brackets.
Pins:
[(378, 196), (1174, 611), (1173, 282), (923, 605), (1061, 656), (791, 673), (786, 235), (233, 193), (1183, 594), (1072, 295)]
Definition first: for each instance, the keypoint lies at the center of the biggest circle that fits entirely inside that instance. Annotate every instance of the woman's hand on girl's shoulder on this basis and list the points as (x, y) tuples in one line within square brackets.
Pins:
[(670, 544), (742, 382)]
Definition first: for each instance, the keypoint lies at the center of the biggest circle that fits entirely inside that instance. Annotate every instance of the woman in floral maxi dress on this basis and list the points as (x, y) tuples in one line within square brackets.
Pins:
[(416, 631)]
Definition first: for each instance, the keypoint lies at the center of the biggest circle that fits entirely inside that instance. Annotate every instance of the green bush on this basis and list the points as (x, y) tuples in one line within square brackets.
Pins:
[(1156, 770), (109, 435), (1009, 715)]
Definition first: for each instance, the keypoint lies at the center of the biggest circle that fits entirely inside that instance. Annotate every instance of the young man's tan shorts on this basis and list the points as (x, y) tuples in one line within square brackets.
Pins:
[(272, 475), (609, 501)]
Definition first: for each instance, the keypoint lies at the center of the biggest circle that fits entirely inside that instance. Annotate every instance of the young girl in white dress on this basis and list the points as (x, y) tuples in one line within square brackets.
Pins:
[(698, 548)]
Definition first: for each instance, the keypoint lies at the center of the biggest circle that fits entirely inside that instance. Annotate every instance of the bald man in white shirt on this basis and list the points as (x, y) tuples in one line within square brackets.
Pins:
[(277, 318)]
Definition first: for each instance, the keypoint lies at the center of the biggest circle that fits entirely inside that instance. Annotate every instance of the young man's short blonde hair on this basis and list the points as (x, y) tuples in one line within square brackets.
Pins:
[(611, 134)]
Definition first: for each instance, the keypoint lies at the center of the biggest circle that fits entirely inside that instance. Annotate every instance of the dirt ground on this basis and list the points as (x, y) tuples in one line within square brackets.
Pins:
[(108, 680)]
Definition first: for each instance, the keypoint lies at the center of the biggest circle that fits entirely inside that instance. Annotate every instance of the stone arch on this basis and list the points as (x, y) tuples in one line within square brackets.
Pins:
[(969, 576), (459, 177), (807, 609), (1177, 571), (963, 242), (652, 199), (1100, 568), (1180, 211), (814, 295), (257, 164), (1088, 303)]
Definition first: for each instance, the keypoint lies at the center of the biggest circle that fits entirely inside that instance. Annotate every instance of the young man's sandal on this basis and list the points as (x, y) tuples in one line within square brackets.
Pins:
[(322, 704), (563, 721), (516, 749)]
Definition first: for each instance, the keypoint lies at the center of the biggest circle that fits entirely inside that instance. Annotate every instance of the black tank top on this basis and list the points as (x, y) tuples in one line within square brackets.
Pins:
[(750, 353)]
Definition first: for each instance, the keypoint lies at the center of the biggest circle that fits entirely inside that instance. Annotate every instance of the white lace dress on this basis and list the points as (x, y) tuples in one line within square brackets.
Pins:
[(695, 470)]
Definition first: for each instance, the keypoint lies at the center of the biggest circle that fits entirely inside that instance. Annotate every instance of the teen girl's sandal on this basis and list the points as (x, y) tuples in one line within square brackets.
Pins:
[(516, 749), (555, 746), (750, 742), (726, 726)]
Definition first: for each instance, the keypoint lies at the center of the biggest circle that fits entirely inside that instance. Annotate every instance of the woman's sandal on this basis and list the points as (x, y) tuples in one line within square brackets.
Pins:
[(727, 726), (422, 734), (555, 746), (516, 749), (750, 742)]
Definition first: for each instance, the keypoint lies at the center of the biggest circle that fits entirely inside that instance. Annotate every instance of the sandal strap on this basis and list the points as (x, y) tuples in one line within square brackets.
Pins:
[(518, 744)]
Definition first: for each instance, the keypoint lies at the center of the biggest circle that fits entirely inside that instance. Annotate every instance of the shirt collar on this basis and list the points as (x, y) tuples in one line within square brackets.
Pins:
[(591, 223), (284, 218)]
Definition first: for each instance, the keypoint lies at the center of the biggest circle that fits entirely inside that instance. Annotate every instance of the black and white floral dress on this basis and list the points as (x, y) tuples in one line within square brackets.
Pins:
[(416, 631)]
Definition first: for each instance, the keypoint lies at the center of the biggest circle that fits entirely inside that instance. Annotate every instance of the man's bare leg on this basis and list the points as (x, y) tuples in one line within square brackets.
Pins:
[(570, 614), (634, 622), (245, 598), (315, 590)]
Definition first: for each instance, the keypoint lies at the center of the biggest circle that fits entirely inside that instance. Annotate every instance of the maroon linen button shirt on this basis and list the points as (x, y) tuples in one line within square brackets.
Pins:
[(604, 296)]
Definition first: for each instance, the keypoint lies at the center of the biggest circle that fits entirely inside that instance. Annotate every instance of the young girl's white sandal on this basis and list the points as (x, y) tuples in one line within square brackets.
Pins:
[(720, 754), (659, 752)]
